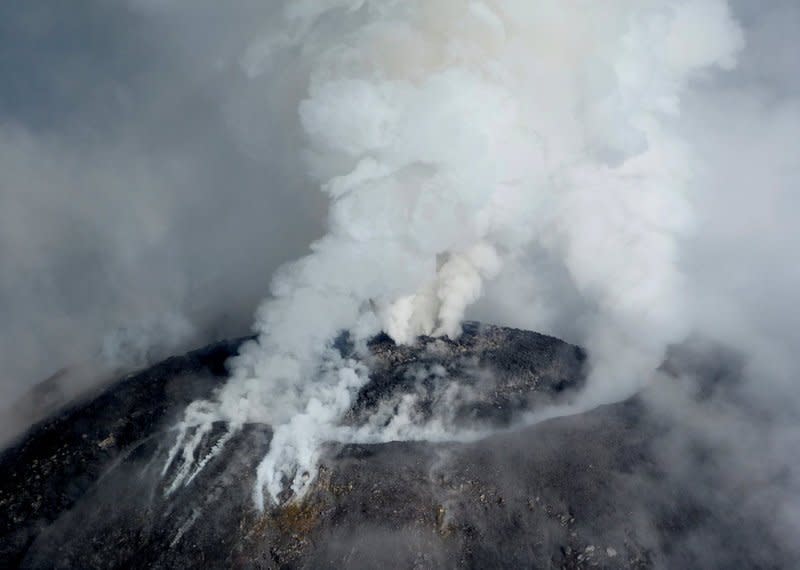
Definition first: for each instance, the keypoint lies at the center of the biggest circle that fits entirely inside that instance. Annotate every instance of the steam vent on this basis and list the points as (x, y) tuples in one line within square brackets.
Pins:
[(88, 488)]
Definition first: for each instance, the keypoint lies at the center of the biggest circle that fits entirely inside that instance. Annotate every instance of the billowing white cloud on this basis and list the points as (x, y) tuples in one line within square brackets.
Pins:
[(454, 137)]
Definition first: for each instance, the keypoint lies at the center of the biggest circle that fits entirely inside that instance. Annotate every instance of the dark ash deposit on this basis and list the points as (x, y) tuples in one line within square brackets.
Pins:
[(84, 489)]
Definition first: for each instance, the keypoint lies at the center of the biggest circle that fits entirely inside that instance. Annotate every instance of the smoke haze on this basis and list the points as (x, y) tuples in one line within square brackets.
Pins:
[(622, 176), (142, 210)]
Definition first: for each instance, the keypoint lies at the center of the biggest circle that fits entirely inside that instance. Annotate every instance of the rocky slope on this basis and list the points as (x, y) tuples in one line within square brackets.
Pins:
[(85, 489)]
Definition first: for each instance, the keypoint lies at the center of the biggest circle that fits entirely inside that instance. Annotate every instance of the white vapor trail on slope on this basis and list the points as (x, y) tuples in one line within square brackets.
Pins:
[(452, 136)]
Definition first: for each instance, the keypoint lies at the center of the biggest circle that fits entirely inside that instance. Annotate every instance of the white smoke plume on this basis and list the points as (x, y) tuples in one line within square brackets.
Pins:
[(453, 137)]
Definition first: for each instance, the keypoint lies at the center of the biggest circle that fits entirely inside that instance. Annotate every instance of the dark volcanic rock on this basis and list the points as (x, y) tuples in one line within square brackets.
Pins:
[(85, 489), (500, 372)]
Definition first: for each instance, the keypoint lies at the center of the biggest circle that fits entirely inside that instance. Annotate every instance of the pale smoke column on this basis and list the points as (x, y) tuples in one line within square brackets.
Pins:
[(451, 136)]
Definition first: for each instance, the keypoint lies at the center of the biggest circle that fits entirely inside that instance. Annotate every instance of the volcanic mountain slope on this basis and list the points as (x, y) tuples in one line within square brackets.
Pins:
[(87, 489)]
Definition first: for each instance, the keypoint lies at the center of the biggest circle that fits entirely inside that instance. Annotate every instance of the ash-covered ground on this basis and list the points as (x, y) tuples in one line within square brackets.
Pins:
[(601, 489)]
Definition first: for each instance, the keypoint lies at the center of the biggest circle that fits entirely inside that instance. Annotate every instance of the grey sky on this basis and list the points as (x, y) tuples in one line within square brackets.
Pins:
[(133, 191)]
